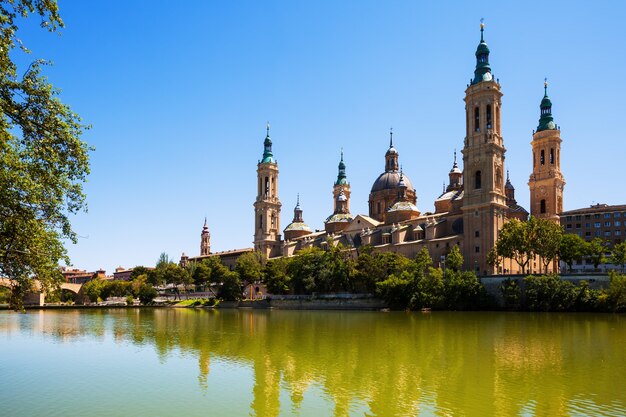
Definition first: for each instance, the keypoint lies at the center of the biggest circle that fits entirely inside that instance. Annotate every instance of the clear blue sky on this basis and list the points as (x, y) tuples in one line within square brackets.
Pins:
[(178, 97)]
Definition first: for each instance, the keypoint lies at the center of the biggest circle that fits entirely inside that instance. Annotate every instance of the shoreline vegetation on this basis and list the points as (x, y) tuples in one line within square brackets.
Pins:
[(396, 282)]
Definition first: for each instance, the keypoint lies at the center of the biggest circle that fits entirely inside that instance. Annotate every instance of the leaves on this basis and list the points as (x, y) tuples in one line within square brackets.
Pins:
[(43, 161)]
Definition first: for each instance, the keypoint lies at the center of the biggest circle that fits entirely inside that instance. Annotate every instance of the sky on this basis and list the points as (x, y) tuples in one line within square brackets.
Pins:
[(178, 98)]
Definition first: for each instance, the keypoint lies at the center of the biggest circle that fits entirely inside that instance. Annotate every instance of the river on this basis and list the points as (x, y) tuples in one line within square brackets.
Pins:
[(168, 362)]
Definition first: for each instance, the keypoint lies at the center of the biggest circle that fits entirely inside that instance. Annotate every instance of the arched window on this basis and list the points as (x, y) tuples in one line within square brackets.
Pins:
[(476, 120), (488, 116), (542, 160), (551, 156), (267, 187), (478, 180), (261, 221), (542, 208), (534, 159)]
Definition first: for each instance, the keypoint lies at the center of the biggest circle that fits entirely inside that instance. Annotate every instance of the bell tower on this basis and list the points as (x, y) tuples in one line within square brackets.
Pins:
[(267, 239), (205, 240), (341, 184), (484, 201), (546, 182)]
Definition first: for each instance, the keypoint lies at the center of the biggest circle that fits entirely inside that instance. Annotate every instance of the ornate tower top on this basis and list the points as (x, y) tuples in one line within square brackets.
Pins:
[(268, 157), (297, 211), (205, 240), (391, 157), (341, 175), (483, 70), (455, 177), (546, 121)]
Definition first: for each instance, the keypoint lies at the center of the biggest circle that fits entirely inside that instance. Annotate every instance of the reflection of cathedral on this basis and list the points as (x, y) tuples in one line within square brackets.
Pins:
[(470, 212)]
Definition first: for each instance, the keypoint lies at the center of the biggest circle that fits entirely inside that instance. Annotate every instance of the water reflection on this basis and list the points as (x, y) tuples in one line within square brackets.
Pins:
[(379, 364)]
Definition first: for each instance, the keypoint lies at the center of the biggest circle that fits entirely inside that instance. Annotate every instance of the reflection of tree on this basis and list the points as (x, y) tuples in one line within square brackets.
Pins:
[(458, 363)]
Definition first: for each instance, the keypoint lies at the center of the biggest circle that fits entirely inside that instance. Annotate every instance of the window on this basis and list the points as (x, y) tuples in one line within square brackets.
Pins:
[(542, 160), (569, 226), (476, 120), (261, 222), (579, 217), (267, 187), (488, 116), (618, 223), (607, 215), (618, 233), (478, 180), (617, 215), (597, 225), (578, 225), (587, 225), (477, 249), (607, 224), (551, 156), (568, 218), (542, 208), (588, 234), (596, 216), (597, 233), (607, 233), (477, 233)]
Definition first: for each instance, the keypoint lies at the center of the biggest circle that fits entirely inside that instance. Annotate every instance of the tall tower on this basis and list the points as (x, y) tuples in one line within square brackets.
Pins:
[(341, 184), (546, 182), (205, 240), (267, 205), (484, 202)]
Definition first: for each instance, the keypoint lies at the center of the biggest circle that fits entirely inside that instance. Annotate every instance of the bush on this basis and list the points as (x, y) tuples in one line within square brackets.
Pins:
[(130, 300), (462, 290), (549, 293), (430, 291), (616, 294), (146, 294), (395, 290), (511, 294)]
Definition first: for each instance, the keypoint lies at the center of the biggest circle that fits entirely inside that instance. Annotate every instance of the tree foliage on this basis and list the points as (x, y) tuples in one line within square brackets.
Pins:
[(571, 248), (43, 162)]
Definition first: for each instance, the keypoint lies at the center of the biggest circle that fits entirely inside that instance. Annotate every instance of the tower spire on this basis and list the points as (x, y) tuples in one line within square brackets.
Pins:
[(546, 121), (268, 156), (341, 174), (391, 137), (483, 70)]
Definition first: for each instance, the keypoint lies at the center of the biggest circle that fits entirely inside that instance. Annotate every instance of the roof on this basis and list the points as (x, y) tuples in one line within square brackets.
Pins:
[(389, 180), (297, 226), (597, 208), (339, 218), (403, 206)]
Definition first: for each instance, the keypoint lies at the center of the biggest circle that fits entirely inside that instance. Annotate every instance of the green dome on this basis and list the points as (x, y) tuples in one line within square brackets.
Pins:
[(483, 70), (341, 175), (268, 157), (546, 121)]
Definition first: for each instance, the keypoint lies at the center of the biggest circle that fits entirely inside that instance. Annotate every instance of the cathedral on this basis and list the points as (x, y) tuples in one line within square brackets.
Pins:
[(478, 200)]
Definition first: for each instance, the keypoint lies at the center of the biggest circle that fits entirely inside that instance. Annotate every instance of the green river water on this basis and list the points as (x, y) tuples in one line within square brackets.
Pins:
[(185, 362)]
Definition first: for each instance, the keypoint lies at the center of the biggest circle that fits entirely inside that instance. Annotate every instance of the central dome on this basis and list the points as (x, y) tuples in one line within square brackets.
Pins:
[(389, 180)]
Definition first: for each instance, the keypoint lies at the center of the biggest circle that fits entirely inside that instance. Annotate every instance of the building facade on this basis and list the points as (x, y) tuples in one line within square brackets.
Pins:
[(469, 213)]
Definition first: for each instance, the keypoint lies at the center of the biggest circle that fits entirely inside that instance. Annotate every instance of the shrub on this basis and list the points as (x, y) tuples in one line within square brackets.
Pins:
[(395, 290), (549, 293), (511, 293)]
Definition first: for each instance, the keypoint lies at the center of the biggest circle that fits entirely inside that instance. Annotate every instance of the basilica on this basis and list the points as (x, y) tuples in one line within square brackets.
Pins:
[(478, 200)]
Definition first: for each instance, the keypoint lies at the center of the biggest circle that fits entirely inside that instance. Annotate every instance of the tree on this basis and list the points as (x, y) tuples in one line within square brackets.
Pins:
[(454, 259), (249, 266), (138, 270), (547, 241), (515, 242), (595, 251), (43, 162), (571, 248), (275, 276), (618, 256), (230, 290)]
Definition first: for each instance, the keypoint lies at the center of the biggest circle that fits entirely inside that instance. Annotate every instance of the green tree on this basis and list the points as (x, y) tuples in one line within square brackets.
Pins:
[(429, 291), (454, 259), (546, 240), (462, 290), (93, 289), (549, 293), (515, 241), (138, 270), (396, 290), (571, 248), (595, 251), (249, 266), (275, 276), (230, 289), (43, 162), (617, 292), (618, 255)]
